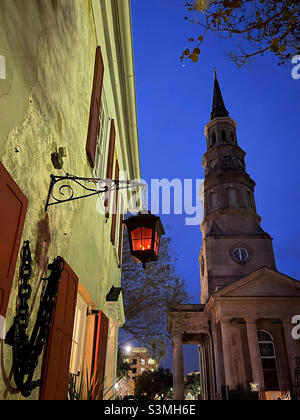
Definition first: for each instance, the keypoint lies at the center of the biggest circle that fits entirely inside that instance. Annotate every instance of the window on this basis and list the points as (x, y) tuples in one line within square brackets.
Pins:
[(232, 136), (142, 370), (240, 254), (232, 197), (100, 158), (133, 370), (213, 199), (134, 361), (223, 135), (249, 200), (143, 361), (202, 266), (268, 358), (213, 139)]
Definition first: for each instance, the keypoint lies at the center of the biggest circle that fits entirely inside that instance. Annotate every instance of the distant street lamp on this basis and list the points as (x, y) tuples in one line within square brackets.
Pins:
[(128, 349), (145, 231)]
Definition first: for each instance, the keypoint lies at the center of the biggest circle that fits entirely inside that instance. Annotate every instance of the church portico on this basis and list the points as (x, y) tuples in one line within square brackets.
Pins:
[(234, 353)]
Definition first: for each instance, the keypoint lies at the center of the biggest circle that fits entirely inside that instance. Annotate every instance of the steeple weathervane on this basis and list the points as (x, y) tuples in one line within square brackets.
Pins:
[(218, 109)]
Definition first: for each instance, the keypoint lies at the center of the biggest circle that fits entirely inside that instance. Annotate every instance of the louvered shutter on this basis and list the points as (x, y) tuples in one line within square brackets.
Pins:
[(13, 208), (99, 360), (57, 358), (95, 352), (94, 122)]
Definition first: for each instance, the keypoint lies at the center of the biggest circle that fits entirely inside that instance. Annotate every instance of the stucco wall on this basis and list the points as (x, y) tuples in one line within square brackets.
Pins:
[(49, 47)]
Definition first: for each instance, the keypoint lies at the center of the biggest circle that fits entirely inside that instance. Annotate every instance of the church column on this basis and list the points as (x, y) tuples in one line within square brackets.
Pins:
[(178, 370), (216, 355), (204, 364), (227, 353), (292, 349), (200, 350), (212, 370), (256, 364)]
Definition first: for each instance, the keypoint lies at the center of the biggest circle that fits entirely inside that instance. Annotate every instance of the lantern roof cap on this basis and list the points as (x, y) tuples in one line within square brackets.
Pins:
[(144, 218)]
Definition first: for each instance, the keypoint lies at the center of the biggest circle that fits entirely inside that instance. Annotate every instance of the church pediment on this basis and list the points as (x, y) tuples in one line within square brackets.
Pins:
[(264, 282)]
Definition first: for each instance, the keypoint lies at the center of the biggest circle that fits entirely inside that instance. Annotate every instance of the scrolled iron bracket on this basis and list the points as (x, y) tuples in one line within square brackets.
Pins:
[(62, 188)]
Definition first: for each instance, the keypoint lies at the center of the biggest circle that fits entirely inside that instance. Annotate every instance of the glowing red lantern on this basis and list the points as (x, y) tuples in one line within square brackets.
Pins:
[(145, 231)]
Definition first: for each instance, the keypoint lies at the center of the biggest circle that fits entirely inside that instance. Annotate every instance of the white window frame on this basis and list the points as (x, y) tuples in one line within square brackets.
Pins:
[(78, 339), (102, 140)]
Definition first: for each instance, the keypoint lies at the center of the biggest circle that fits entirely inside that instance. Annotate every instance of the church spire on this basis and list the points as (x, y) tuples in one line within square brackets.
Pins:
[(218, 109)]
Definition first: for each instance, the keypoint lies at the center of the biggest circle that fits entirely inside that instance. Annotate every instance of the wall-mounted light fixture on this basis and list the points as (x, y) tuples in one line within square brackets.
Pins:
[(57, 157), (145, 231)]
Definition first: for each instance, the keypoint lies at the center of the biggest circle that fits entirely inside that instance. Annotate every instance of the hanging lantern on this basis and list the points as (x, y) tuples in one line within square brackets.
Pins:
[(145, 231)]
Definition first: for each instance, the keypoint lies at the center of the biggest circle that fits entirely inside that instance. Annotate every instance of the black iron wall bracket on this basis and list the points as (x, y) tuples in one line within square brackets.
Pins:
[(63, 189)]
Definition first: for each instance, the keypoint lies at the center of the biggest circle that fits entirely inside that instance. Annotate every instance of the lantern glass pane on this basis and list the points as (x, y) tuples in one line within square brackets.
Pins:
[(136, 234), (157, 241), (141, 239)]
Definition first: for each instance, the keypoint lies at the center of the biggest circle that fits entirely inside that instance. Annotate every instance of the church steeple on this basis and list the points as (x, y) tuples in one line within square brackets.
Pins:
[(218, 109), (234, 244)]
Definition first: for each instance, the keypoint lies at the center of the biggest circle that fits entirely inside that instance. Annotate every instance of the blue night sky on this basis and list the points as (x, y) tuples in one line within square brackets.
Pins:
[(174, 102)]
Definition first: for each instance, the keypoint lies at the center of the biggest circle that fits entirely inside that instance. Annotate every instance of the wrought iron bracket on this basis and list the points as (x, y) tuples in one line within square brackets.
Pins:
[(66, 188)]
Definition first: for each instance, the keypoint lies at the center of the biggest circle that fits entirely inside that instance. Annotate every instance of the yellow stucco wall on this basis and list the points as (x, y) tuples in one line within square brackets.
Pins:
[(49, 47)]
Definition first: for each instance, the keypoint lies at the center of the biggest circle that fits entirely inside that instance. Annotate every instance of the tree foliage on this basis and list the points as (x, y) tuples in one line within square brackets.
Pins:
[(258, 25), (159, 383), (147, 296), (122, 367), (192, 384)]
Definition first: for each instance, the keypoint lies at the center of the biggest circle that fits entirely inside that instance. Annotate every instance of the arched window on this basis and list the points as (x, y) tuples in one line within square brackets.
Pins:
[(223, 136), (232, 136), (213, 200), (249, 200), (268, 358), (202, 266), (213, 139), (232, 197)]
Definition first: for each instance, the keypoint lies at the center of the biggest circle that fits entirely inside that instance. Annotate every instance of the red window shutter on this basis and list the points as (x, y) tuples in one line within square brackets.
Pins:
[(13, 208), (115, 208), (110, 164), (99, 357), (121, 229), (111, 151), (58, 353), (94, 123)]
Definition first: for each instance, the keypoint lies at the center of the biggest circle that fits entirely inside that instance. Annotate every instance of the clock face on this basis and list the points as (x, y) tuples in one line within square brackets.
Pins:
[(227, 160), (241, 254)]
